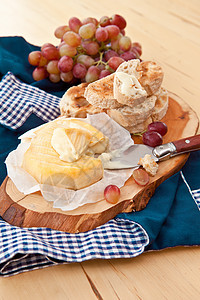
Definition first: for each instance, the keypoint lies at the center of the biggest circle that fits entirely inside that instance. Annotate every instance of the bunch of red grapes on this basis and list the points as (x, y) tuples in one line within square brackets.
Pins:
[(88, 50)]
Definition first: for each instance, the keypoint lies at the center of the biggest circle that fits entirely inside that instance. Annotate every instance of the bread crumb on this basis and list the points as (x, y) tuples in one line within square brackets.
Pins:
[(149, 164)]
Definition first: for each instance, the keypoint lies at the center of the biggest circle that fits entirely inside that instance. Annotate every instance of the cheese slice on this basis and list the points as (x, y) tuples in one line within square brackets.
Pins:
[(130, 85), (70, 143), (43, 162)]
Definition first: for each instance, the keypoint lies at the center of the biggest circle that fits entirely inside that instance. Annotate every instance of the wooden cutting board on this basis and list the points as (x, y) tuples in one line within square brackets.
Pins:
[(34, 211)]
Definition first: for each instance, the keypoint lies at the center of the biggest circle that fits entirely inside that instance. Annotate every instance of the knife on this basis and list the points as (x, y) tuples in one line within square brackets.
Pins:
[(129, 158)]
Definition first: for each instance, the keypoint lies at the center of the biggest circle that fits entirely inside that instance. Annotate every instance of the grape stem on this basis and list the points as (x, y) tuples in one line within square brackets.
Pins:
[(139, 133), (80, 50), (100, 61)]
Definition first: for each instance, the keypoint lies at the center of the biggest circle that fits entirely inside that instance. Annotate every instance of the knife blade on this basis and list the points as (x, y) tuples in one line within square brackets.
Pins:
[(129, 158)]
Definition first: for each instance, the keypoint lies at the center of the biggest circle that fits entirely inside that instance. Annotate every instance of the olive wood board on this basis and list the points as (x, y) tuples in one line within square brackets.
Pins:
[(34, 211)]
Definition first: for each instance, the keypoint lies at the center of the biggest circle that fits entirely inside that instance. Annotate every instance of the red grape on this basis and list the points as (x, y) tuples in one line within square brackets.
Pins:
[(40, 73), (90, 20), (72, 38), (65, 64), (113, 31), (65, 49), (114, 62), (152, 138), (101, 34), (91, 47), (159, 127), (43, 61), (137, 47), (125, 43), (92, 74), (66, 77), (118, 20), (47, 45), (74, 24), (52, 67), (112, 194), (86, 60), (110, 53), (127, 55), (141, 177), (34, 58), (60, 31), (50, 53), (79, 71), (104, 21), (54, 77), (87, 31), (104, 73), (135, 52)]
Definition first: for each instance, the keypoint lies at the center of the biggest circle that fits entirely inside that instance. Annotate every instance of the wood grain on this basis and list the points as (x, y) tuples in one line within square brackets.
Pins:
[(34, 211), (169, 32)]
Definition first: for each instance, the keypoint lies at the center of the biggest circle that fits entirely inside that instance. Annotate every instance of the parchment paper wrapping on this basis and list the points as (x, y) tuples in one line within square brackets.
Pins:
[(66, 199)]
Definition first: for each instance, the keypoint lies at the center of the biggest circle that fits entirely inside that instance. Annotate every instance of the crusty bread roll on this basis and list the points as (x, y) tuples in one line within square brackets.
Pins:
[(73, 103), (158, 113), (127, 89), (148, 73), (150, 76), (161, 105), (127, 116), (147, 102), (100, 93)]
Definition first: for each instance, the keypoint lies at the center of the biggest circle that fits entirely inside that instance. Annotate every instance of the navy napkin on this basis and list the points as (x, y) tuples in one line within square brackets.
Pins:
[(170, 219)]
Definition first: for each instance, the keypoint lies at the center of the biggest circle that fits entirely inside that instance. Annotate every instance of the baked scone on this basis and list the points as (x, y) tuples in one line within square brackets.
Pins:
[(100, 93), (43, 160)]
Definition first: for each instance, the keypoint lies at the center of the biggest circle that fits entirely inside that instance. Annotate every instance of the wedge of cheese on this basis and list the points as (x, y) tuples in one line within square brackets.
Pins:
[(58, 154), (70, 143)]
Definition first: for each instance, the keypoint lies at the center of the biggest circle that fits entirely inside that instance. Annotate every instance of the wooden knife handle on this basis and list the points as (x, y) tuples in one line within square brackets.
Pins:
[(187, 144)]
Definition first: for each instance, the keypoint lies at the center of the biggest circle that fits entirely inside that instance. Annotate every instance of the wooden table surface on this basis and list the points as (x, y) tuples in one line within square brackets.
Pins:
[(169, 32)]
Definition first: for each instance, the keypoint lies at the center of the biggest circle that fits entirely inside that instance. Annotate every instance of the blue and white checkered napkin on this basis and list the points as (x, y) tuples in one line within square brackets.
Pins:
[(23, 249), (32, 248), (19, 100)]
